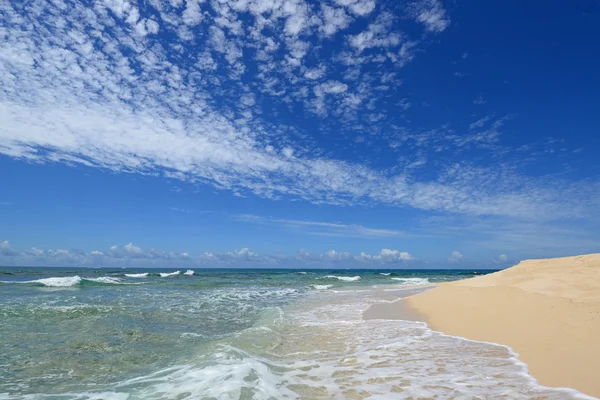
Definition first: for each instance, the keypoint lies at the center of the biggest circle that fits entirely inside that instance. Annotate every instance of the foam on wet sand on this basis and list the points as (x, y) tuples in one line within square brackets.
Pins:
[(546, 310)]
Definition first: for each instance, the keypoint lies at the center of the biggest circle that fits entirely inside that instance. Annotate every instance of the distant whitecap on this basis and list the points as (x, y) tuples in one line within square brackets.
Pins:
[(168, 274)]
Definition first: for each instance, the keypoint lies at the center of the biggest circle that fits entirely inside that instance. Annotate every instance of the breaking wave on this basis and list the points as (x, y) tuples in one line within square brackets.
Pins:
[(343, 278), (142, 275), (321, 287), (168, 274), (70, 281), (412, 281)]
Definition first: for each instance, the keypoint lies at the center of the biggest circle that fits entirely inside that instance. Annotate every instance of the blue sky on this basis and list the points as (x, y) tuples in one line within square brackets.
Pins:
[(348, 133)]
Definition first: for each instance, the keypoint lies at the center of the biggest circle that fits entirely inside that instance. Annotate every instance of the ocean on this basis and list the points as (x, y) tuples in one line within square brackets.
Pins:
[(82, 333)]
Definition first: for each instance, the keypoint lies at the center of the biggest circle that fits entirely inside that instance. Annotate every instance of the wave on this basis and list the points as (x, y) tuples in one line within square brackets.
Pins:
[(66, 281), (167, 274), (70, 281), (413, 281), (104, 279), (343, 278), (385, 273), (189, 272), (142, 275), (321, 287), (230, 373)]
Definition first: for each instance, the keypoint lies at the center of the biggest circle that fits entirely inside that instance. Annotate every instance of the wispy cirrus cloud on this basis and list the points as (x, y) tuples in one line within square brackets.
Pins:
[(190, 211), (323, 228), (516, 236)]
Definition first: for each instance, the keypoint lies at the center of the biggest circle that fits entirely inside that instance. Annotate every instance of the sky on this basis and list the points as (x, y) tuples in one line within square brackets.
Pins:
[(291, 133)]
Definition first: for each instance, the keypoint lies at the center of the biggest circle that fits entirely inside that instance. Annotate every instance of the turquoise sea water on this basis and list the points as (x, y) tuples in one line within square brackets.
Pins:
[(236, 334)]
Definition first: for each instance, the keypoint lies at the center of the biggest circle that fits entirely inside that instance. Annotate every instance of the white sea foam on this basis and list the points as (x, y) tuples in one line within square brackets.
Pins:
[(192, 335), (104, 279), (247, 299), (108, 395), (412, 281), (69, 281), (189, 272), (335, 353), (245, 294), (66, 281), (63, 281), (327, 350), (385, 273), (142, 275), (321, 287), (167, 274), (343, 278), (230, 374)]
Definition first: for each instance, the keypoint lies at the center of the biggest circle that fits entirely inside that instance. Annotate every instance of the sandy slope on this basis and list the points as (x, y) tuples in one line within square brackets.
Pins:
[(548, 311)]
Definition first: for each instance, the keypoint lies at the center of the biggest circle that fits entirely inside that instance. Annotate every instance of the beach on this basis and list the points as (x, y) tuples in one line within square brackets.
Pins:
[(547, 311)]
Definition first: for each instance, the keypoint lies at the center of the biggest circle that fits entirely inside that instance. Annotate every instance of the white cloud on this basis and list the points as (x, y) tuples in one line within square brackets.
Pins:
[(332, 87), (404, 104), (131, 255), (34, 251), (243, 255), (295, 24), (479, 100), (431, 14), (316, 73), (480, 122), (379, 34), (6, 249), (456, 257), (388, 256), (358, 7), (335, 19), (193, 13), (334, 255), (385, 256), (133, 251), (503, 257)]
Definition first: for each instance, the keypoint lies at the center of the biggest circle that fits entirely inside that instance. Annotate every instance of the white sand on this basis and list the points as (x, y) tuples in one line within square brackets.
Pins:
[(548, 311)]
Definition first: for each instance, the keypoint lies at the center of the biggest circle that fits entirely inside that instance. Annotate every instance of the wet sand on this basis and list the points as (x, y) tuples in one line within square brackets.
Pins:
[(395, 309), (546, 310)]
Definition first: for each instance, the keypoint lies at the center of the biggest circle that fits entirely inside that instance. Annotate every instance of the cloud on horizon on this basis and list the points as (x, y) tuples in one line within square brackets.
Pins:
[(132, 255)]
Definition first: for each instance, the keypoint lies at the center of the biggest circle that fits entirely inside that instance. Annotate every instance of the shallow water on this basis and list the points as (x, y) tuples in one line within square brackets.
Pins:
[(236, 334)]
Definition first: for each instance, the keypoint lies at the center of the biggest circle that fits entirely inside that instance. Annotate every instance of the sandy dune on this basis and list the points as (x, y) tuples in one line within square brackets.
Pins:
[(548, 311)]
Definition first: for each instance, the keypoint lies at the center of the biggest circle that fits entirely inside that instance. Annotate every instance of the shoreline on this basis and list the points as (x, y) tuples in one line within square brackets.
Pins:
[(547, 311)]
